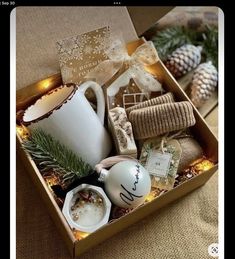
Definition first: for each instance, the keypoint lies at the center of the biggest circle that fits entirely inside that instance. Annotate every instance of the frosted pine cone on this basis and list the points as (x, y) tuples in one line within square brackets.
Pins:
[(184, 59), (205, 79)]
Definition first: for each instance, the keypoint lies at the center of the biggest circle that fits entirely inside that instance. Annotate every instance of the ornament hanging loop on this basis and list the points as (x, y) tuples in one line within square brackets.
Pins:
[(110, 161)]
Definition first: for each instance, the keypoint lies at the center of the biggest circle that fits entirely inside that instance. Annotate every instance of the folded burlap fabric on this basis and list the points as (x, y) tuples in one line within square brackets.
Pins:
[(159, 119), (165, 98)]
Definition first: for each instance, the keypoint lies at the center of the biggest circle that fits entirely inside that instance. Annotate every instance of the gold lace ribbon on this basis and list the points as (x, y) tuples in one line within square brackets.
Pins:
[(144, 55)]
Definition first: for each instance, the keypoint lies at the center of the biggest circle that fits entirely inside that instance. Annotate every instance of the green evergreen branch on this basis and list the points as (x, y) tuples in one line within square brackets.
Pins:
[(210, 44), (168, 40), (49, 153)]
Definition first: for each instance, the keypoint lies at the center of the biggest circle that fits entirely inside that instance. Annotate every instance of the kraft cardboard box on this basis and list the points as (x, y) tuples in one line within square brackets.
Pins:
[(29, 94), (76, 247)]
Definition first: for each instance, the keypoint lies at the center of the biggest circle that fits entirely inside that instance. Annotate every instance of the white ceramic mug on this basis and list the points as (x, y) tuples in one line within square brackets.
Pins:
[(65, 114)]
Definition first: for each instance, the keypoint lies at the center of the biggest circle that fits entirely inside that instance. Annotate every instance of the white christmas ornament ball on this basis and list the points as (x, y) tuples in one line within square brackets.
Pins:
[(127, 183)]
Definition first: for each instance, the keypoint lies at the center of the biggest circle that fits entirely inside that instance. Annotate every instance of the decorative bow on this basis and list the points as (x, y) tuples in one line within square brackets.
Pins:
[(144, 55), (179, 134)]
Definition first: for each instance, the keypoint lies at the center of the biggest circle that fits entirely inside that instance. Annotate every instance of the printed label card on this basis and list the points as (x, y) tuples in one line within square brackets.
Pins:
[(162, 166), (81, 53)]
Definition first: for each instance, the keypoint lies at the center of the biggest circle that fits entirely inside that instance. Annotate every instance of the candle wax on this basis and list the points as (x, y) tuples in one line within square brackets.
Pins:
[(87, 212)]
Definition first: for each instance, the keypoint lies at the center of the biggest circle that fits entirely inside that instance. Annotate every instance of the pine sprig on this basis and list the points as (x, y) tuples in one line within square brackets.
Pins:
[(49, 154), (168, 40), (210, 44)]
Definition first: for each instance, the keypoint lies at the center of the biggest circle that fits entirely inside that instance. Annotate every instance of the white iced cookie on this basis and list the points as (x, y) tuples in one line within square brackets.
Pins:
[(122, 132)]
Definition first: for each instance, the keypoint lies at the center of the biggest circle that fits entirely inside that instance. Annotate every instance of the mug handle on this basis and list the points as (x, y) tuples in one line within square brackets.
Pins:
[(99, 97)]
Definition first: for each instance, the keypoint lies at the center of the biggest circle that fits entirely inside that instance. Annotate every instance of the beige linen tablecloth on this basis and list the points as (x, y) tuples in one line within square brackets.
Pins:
[(184, 229)]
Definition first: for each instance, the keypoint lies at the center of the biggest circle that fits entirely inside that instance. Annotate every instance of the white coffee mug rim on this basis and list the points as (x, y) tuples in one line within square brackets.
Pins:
[(50, 112)]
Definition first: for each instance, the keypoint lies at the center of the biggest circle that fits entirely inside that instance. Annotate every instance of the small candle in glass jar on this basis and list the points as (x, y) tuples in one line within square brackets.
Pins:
[(87, 208)]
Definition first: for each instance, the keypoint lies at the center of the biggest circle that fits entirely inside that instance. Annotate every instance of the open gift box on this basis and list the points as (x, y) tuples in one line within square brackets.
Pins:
[(78, 245)]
